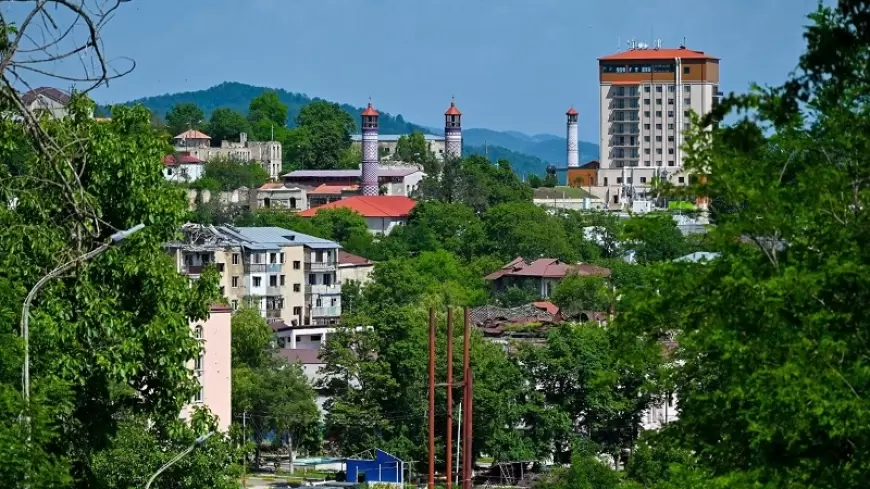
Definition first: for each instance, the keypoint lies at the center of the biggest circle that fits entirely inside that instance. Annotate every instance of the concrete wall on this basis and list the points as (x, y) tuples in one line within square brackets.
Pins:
[(214, 374)]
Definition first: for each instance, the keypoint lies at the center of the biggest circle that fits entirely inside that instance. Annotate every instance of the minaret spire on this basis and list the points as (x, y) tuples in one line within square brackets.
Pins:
[(453, 131), (370, 153), (573, 158)]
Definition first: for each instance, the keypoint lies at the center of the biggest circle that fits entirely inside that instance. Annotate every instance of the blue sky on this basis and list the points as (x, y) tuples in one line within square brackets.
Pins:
[(512, 64)]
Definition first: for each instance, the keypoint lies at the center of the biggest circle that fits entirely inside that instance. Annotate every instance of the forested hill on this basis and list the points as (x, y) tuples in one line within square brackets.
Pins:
[(238, 96)]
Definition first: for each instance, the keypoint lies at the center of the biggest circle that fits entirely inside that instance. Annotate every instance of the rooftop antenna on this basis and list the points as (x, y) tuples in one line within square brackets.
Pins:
[(683, 43)]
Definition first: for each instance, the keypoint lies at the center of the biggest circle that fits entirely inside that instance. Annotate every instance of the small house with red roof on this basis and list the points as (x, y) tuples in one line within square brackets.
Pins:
[(182, 167), (382, 213), (354, 268), (544, 274)]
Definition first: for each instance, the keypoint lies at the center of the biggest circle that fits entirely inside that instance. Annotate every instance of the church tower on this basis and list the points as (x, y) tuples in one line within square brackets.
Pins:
[(573, 159), (370, 152), (453, 131)]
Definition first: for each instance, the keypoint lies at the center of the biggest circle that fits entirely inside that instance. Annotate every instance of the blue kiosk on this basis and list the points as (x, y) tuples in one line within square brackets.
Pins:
[(384, 469)]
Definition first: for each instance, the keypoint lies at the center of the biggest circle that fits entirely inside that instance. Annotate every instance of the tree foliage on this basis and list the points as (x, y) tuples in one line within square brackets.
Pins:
[(321, 137), (227, 125), (184, 116), (227, 174)]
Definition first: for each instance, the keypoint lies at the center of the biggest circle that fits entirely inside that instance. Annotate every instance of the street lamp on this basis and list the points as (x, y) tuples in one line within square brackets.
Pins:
[(25, 311), (199, 441)]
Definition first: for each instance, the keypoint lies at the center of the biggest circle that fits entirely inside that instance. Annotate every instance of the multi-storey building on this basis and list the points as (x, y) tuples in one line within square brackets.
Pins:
[(646, 96), (196, 144), (288, 276), (213, 367)]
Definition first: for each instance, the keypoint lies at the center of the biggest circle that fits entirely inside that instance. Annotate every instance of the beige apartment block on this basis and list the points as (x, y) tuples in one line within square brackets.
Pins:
[(289, 277), (646, 96)]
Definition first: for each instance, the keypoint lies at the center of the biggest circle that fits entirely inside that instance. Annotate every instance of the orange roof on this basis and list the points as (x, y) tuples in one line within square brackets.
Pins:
[(192, 134), (326, 189), (452, 110), (655, 54), (370, 111), (572, 111), (370, 206), (625, 83)]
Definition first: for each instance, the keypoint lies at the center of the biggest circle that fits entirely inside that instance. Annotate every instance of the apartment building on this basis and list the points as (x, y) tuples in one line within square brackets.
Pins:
[(646, 95), (213, 367), (290, 277)]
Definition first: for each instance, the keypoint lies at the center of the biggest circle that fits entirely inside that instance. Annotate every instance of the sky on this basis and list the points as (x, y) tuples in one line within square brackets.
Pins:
[(511, 64)]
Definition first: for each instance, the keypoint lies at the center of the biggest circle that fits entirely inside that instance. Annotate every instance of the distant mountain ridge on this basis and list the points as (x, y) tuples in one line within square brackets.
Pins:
[(527, 153)]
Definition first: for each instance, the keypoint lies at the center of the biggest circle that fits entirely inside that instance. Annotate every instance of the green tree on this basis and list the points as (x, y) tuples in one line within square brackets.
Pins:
[(654, 237), (268, 107), (345, 226), (434, 225), (321, 137), (110, 337), (535, 181), (525, 229), (184, 116), (476, 182), (226, 125), (413, 148), (226, 174), (575, 295)]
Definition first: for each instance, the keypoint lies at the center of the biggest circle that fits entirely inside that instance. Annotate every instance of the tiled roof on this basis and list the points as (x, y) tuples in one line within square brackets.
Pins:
[(370, 111), (181, 159), (370, 206), (192, 134), (572, 111), (452, 110), (591, 165), (345, 258), (305, 357), (546, 268), (58, 96), (656, 54), (547, 306), (326, 189)]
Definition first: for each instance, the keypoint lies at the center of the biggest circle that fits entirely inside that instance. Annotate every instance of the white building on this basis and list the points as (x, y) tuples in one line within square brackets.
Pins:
[(183, 168)]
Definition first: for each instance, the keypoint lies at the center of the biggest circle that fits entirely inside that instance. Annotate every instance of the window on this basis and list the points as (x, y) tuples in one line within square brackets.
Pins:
[(682, 179), (273, 280), (670, 101), (282, 281), (670, 163), (235, 282), (658, 139), (235, 258), (658, 89), (297, 287), (273, 258), (671, 88), (296, 265), (646, 151), (312, 279), (258, 258), (197, 332), (658, 151), (297, 311), (686, 126), (646, 127), (687, 89), (645, 162), (281, 255), (670, 127), (646, 113), (642, 179), (234, 304), (658, 100), (687, 70), (646, 139), (685, 113), (658, 162), (258, 281), (687, 101), (318, 303), (618, 180), (222, 291), (198, 396), (658, 127), (670, 113), (605, 181), (646, 101), (315, 337), (670, 139), (327, 280), (658, 113), (197, 364), (646, 88), (670, 151)]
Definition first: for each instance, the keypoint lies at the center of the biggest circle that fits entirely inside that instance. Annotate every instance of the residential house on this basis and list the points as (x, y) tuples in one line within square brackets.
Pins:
[(213, 366), (296, 346), (387, 144), (288, 276), (544, 274), (274, 195), (269, 154), (354, 268), (382, 213), (393, 180), (324, 194), (48, 100), (183, 168)]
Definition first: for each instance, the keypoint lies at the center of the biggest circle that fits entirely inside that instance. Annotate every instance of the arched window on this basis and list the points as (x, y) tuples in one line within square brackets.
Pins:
[(197, 332)]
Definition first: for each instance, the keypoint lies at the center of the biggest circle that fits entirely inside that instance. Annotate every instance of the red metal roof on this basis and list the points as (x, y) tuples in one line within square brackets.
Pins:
[(58, 96), (656, 54), (345, 258), (572, 111), (326, 189), (547, 306), (370, 206), (370, 111), (452, 110)]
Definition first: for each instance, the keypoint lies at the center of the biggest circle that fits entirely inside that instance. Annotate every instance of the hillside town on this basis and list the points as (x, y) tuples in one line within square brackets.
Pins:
[(267, 291)]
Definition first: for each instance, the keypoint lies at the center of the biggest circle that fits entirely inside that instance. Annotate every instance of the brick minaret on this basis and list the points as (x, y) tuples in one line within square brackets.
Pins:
[(453, 131), (573, 159), (370, 153)]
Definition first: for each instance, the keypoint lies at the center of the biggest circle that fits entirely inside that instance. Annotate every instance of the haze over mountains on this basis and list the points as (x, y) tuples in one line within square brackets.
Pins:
[(528, 154)]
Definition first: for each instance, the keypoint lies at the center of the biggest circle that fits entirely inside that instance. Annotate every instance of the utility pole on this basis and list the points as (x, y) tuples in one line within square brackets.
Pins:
[(458, 442), (449, 442), (244, 454), (431, 398)]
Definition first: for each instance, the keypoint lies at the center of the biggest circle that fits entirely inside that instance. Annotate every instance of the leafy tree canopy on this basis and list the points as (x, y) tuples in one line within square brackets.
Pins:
[(184, 116)]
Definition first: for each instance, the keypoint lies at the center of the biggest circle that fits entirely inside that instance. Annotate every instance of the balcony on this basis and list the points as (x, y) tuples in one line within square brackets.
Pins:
[(334, 289), (255, 268), (197, 269), (320, 266), (273, 313), (273, 291), (321, 312)]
